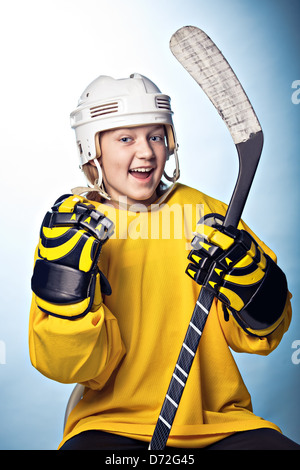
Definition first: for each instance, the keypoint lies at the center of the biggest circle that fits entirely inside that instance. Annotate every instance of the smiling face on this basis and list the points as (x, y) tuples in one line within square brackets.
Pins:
[(132, 162)]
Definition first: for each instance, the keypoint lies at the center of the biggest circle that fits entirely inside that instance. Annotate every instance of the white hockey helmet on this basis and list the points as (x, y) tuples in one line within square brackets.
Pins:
[(109, 103)]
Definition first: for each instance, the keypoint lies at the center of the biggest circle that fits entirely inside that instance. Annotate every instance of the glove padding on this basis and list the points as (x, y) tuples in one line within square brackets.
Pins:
[(231, 264), (66, 278)]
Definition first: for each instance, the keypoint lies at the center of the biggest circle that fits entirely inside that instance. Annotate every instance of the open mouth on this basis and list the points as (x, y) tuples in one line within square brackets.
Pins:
[(141, 173)]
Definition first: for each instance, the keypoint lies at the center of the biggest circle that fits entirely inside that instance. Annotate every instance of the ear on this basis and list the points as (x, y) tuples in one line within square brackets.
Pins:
[(97, 145)]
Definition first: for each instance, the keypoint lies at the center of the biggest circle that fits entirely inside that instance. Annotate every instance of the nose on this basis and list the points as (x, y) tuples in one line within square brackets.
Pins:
[(144, 149)]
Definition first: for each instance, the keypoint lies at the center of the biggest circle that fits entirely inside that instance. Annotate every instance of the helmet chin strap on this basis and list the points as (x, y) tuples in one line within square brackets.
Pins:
[(99, 186)]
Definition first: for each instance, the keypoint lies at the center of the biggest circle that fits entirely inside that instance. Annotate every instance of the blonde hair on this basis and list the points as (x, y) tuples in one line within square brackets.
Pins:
[(91, 174)]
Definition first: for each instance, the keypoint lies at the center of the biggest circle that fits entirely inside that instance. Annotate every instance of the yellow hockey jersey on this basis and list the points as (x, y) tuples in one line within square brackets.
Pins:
[(125, 351)]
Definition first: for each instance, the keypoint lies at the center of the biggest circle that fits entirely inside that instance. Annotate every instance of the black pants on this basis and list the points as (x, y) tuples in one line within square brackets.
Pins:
[(257, 439)]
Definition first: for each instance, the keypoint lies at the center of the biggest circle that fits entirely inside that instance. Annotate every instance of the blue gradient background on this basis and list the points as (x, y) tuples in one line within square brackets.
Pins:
[(50, 52)]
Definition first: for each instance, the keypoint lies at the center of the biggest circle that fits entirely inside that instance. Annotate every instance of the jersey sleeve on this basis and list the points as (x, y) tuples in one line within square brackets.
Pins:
[(86, 350)]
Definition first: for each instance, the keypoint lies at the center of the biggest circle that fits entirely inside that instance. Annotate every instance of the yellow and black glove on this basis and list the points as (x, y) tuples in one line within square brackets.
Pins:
[(231, 264), (66, 278)]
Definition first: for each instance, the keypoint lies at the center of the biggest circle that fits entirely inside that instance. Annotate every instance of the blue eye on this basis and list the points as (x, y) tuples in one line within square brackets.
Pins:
[(126, 139)]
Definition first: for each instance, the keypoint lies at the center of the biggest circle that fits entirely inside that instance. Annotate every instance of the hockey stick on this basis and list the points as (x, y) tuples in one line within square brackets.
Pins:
[(206, 64)]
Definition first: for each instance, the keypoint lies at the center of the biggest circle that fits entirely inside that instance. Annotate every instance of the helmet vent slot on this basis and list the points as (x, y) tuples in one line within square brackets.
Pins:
[(103, 109), (163, 103)]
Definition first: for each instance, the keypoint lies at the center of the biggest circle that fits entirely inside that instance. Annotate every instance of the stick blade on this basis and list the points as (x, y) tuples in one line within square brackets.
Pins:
[(199, 55)]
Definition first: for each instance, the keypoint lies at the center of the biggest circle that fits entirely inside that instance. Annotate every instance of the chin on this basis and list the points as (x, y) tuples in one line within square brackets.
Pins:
[(145, 198)]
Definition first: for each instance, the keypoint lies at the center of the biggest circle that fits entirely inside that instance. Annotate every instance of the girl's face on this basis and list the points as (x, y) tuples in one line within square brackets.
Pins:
[(132, 162)]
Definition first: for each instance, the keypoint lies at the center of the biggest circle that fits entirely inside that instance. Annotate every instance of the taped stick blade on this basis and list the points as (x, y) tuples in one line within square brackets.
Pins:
[(199, 55)]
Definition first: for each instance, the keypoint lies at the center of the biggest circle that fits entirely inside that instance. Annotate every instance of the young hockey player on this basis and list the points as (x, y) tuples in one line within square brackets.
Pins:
[(115, 321)]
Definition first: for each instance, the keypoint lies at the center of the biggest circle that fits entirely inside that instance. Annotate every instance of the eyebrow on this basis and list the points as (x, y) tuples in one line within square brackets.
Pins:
[(125, 129)]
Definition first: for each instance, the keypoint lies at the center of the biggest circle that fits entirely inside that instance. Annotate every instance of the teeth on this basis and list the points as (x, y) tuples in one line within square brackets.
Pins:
[(142, 170)]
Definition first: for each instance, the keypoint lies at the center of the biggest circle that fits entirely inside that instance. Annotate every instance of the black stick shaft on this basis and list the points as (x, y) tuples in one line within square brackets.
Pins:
[(181, 370)]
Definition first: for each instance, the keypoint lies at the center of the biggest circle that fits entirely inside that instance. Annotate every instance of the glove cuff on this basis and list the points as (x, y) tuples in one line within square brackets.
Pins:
[(263, 313), (63, 291)]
